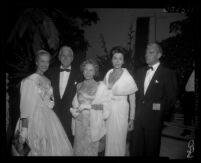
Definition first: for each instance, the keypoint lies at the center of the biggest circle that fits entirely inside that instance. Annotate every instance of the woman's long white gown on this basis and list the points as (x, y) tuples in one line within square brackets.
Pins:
[(117, 123)]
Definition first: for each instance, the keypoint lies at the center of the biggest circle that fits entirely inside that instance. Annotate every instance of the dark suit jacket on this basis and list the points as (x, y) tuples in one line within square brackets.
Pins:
[(162, 90), (62, 105)]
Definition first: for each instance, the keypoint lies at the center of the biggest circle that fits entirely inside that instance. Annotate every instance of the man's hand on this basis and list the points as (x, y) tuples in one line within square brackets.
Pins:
[(130, 125)]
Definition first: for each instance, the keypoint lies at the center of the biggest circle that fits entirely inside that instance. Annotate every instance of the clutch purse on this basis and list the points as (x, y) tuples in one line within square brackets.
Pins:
[(19, 149)]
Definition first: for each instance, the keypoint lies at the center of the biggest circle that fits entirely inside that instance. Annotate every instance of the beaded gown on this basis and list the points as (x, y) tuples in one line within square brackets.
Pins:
[(89, 125)]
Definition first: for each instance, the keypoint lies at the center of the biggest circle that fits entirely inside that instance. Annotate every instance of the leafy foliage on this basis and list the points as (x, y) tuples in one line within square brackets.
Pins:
[(45, 28), (105, 60), (130, 62), (30, 29), (180, 51)]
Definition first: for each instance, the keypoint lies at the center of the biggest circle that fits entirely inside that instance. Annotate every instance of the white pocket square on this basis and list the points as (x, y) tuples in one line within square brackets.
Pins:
[(156, 81)]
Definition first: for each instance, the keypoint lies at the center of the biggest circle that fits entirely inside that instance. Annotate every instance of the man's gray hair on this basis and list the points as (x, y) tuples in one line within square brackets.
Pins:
[(67, 48)]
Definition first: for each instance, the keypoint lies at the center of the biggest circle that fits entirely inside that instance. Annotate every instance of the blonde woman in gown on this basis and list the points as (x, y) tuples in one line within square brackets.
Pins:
[(88, 124), (40, 126), (123, 88)]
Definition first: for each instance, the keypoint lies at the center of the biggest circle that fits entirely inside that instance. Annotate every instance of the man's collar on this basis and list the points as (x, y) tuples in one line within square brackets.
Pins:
[(61, 67), (155, 66)]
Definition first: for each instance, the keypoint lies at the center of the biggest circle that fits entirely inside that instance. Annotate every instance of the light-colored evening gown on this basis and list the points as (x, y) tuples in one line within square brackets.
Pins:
[(46, 136), (83, 145), (89, 125), (117, 123)]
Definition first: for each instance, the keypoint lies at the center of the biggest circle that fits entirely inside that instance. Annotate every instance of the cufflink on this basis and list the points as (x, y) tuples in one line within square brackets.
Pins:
[(75, 83)]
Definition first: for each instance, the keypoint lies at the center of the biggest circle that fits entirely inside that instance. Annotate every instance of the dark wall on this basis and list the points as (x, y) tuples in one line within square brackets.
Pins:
[(142, 36)]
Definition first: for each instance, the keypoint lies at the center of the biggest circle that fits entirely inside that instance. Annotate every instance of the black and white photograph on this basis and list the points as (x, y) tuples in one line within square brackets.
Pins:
[(102, 82)]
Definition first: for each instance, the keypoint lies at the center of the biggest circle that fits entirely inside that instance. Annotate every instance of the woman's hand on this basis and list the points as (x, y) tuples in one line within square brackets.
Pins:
[(130, 125), (97, 106), (21, 139), (51, 104), (23, 135), (75, 112)]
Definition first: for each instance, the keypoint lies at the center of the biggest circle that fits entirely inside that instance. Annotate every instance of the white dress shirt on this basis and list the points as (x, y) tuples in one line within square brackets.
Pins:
[(63, 81), (149, 76)]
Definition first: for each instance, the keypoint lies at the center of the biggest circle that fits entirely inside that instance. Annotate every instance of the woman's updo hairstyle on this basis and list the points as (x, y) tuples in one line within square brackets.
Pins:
[(119, 49), (41, 52)]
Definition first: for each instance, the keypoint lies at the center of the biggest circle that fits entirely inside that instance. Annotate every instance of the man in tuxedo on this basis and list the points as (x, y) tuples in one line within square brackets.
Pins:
[(156, 96), (64, 78)]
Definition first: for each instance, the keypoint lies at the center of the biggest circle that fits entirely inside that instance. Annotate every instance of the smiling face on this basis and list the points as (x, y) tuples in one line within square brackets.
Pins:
[(153, 54), (42, 63), (89, 71), (117, 60), (66, 57)]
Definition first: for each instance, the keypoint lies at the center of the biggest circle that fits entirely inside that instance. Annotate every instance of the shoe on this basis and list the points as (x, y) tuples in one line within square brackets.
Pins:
[(186, 132)]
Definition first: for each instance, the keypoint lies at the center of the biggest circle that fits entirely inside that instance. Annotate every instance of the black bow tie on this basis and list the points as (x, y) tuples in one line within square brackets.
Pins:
[(65, 69), (150, 67)]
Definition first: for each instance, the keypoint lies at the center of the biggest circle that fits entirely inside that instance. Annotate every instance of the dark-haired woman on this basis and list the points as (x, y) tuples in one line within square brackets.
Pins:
[(123, 87)]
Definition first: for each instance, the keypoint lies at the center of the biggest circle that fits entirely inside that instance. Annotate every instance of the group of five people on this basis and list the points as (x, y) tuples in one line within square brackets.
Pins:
[(63, 114)]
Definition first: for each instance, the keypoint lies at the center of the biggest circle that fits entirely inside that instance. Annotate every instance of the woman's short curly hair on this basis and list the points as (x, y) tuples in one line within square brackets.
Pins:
[(92, 62)]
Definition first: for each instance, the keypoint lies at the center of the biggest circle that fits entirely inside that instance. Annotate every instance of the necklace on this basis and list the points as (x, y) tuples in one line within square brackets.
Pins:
[(89, 82), (115, 75), (89, 87)]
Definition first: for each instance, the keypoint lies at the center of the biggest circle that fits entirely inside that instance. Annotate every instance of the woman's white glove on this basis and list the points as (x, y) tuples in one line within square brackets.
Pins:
[(51, 104), (23, 135), (84, 107), (75, 112)]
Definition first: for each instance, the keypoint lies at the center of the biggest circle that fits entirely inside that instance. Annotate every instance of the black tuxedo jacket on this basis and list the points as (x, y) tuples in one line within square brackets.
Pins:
[(62, 105), (162, 90)]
